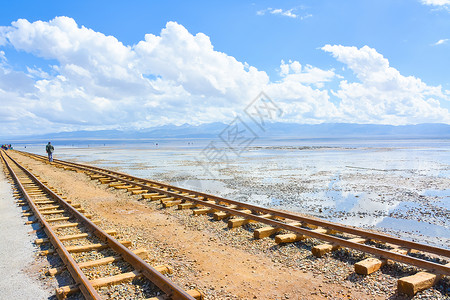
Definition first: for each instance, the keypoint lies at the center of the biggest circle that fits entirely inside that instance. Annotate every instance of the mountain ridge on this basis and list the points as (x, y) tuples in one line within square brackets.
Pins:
[(271, 130)]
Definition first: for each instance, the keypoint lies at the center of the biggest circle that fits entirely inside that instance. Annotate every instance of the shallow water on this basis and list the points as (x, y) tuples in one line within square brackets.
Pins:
[(398, 186)]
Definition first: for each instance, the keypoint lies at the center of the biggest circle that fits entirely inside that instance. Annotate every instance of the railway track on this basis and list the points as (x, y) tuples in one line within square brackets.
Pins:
[(76, 239), (431, 262)]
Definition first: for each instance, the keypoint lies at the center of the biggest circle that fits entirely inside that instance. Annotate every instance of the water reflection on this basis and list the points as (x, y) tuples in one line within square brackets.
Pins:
[(357, 183)]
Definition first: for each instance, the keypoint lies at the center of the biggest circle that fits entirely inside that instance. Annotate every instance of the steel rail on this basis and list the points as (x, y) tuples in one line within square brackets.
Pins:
[(321, 223), (162, 282), (81, 280), (431, 266)]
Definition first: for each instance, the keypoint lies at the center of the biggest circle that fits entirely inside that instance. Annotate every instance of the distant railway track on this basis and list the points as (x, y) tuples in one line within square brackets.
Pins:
[(73, 234), (383, 248)]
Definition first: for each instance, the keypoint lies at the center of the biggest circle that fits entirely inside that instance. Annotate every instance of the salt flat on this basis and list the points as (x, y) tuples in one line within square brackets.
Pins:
[(397, 186)]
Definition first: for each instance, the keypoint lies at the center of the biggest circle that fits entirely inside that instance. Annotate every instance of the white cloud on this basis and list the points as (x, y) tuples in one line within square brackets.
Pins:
[(287, 13), (2, 57), (197, 66), (99, 81), (436, 2), (177, 77), (383, 95), (440, 42), (290, 13), (293, 71), (261, 12)]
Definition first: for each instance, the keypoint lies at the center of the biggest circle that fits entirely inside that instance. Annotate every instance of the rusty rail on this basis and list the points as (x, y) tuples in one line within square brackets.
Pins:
[(162, 282), (146, 185)]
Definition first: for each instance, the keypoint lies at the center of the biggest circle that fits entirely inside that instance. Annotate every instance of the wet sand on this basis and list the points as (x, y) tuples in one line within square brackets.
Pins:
[(390, 189)]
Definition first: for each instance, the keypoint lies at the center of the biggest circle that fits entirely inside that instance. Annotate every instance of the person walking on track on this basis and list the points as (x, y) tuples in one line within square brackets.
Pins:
[(49, 149)]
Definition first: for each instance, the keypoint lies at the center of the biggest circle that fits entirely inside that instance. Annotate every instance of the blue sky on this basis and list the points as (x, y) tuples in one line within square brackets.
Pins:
[(380, 62)]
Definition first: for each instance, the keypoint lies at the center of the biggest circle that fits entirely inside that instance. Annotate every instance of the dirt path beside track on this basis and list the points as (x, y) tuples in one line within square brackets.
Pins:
[(19, 264)]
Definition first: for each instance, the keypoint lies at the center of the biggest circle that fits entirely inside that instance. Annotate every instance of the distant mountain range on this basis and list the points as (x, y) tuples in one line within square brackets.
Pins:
[(272, 130)]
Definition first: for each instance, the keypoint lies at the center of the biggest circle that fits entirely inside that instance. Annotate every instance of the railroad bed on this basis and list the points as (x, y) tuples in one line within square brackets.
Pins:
[(96, 261), (431, 262)]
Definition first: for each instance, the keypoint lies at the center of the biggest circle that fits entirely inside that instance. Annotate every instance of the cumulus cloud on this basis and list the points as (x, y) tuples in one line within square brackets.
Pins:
[(100, 81), (197, 66), (383, 95), (177, 77), (293, 71)]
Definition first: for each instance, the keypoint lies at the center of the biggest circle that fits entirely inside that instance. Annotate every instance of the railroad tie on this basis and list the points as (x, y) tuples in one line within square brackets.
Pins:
[(373, 264), (57, 219), (206, 210), (166, 199), (63, 292), (223, 215), (116, 184), (115, 279), (167, 204), (60, 211), (98, 246), (142, 253), (106, 180), (44, 202), (157, 197), (75, 224), (72, 237), (35, 194), (420, 281), (183, 194), (149, 195), (49, 208), (233, 223), (123, 187), (263, 232), (31, 190), (187, 205), (138, 192), (134, 188), (203, 211), (295, 237), (322, 249), (84, 248)]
